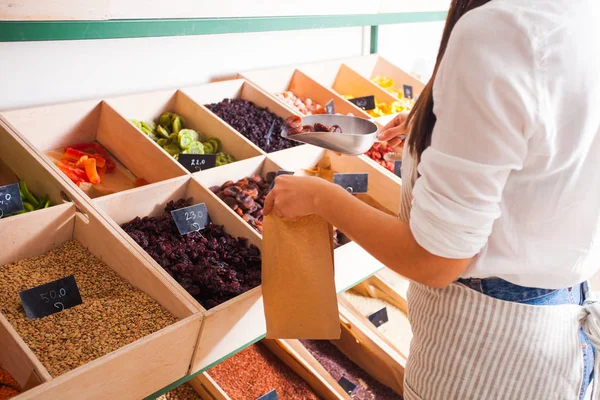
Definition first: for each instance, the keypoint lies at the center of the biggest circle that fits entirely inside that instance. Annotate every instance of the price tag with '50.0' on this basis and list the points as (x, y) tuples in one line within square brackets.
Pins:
[(50, 298), (191, 219)]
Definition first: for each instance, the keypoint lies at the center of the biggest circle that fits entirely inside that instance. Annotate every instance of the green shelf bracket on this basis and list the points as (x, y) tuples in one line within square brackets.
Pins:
[(374, 39), (22, 31)]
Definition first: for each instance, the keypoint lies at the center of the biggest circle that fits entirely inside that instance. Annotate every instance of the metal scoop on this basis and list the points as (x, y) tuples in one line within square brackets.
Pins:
[(358, 135)]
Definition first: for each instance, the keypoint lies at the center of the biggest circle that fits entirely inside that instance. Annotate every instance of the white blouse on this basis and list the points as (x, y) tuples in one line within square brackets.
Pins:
[(512, 176)]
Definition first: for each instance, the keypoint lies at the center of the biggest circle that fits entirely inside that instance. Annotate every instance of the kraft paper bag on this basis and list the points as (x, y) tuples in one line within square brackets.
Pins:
[(298, 279)]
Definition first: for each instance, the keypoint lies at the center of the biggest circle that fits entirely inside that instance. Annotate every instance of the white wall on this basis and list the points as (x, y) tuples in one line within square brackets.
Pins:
[(36, 73)]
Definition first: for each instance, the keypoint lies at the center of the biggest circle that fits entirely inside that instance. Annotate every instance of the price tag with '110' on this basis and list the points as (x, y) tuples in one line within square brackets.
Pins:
[(50, 298), (191, 219), (197, 162)]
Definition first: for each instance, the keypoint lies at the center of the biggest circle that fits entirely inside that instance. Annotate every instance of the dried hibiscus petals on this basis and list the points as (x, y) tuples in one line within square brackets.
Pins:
[(211, 265)]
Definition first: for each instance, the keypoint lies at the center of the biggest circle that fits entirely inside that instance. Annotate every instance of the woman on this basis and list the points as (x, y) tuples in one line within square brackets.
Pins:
[(499, 227)]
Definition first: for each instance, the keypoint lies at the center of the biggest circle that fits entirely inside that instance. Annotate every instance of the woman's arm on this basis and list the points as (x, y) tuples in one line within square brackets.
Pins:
[(385, 237)]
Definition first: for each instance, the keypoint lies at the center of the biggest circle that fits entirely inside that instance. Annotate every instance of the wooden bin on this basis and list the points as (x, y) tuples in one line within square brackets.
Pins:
[(277, 80), (228, 327), (375, 65), (359, 343), (236, 171), (318, 379), (149, 107), (131, 372), (237, 89), (352, 263), (18, 162), (52, 128)]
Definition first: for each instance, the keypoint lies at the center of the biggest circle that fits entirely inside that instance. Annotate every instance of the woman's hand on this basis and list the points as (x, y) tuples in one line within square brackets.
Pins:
[(295, 196), (395, 131)]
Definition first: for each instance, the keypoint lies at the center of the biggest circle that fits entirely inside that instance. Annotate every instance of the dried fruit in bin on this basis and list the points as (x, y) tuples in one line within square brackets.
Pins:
[(382, 109), (210, 264), (170, 134), (390, 86), (86, 162), (257, 124), (377, 153), (246, 197)]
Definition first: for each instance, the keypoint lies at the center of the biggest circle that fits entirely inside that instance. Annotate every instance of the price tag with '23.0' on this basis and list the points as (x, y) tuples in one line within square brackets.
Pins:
[(191, 219)]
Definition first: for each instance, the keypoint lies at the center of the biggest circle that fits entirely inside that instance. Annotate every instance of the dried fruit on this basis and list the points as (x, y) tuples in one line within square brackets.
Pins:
[(294, 126), (211, 265), (259, 125), (171, 135), (246, 197)]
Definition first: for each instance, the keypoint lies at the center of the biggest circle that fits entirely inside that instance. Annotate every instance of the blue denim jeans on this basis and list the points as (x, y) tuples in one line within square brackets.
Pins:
[(503, 290)]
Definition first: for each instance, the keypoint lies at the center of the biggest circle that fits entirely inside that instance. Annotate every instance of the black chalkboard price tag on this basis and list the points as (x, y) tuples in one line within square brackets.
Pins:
[(398, 168), (347, 385), (272, 395), (280, 172), (366, 102), (408, 91), (379, 318), (10, 200), (50, 298), (191, 219), (353, 183), (330, 107), (197, 162)]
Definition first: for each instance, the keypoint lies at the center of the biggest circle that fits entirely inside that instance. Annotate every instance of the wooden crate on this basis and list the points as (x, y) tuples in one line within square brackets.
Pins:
[(317, 378), (228, 327), (336, 76), (135, 370), (236, 171), (237, 89), (277, 80), (299, 359), (17, 161), (49, 129), (367, 348), (375, 65), (149, 107)]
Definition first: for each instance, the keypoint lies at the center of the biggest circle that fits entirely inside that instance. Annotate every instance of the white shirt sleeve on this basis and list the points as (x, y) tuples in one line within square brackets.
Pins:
[(486, 109)]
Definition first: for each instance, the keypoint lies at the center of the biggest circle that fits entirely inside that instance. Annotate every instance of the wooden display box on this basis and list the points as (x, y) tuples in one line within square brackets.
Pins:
[(375, 65), (150, 106), (228, 327), (237, 89), (318, 379), (236, 171), (131, 372), (277, 80), (18, 162), (49, 129)]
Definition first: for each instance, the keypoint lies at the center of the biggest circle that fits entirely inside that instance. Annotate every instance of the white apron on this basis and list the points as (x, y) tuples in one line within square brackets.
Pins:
[(467, 345)]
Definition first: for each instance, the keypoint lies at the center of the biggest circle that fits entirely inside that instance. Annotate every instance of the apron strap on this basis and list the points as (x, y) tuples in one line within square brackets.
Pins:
[(591, 327)]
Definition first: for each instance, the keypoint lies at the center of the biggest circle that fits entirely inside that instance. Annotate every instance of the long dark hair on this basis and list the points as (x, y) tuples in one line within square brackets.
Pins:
[(421, 119)]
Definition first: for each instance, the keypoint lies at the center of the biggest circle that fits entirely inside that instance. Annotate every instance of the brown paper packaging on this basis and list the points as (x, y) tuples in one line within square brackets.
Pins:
[(298, 279)]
